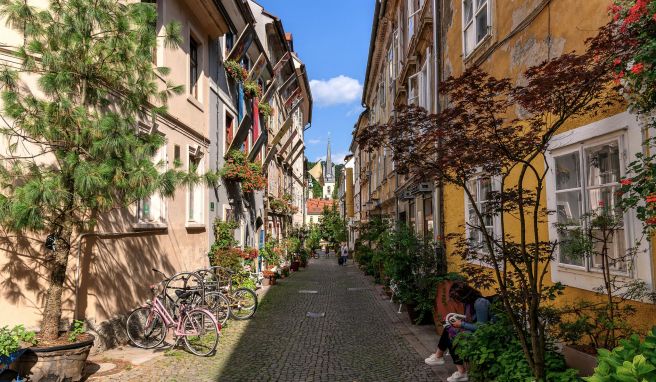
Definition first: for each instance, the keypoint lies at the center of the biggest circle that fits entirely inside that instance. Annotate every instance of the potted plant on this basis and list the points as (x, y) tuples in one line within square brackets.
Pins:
[(235, 71), (238, 169), (269, 276), (63, 359), (95, 161), (13, 343), (252, 89), (265, 109)]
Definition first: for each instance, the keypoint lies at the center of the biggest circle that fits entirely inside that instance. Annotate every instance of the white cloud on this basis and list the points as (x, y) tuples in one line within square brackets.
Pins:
[(337, 90), (313, 141)]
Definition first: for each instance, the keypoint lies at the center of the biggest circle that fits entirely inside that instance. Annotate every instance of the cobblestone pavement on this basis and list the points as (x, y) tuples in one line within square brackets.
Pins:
[(354, 341)]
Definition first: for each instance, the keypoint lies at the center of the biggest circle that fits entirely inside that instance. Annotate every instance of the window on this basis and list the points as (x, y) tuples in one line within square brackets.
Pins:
[(195, 192), (414, 8), (229, 42), (413, 89), (587, 179), (176, 156), (424, 88), (229, 129), (476, 23), (152, 210), (381, 93), (480, 188), (193, 67), (391, 69)]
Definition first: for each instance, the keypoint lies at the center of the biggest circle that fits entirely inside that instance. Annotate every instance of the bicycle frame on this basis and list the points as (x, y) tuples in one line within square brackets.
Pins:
[(169, 321)]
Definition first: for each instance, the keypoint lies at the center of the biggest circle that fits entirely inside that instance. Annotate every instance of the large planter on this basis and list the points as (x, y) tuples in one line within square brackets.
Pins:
[(581, 361), (444, 305), (295, 265), (61, 363)]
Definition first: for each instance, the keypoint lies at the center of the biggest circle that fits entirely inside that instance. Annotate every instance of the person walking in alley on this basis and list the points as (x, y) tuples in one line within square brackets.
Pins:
[(477, 312), (343, 254)]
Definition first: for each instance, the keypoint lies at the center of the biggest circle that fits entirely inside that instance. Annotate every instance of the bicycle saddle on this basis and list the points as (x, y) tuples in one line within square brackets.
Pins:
[(183, 295)]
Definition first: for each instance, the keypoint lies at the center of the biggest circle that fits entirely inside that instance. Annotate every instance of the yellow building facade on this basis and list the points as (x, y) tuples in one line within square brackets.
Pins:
[(416, 44)]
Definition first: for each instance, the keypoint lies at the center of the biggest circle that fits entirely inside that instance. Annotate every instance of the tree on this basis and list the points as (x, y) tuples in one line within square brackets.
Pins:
[(492, 129), (333, 227), (74, 148)]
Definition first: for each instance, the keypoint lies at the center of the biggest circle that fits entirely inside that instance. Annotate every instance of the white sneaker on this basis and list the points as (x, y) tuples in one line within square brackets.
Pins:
[(434, 360), (458, 377)]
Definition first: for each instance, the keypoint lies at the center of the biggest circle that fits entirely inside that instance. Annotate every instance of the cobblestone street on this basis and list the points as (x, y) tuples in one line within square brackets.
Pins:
[(355, 341)]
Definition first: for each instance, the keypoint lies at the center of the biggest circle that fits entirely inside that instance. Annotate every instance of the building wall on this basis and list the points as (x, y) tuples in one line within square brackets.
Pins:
[(524, 34), (109, 272)]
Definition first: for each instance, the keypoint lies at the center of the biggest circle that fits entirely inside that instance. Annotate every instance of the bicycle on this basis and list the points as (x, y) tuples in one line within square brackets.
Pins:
[(147, 326), (241, 301)]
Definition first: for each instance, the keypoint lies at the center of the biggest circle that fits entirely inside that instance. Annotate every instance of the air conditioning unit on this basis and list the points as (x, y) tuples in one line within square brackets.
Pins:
[(425, 187)]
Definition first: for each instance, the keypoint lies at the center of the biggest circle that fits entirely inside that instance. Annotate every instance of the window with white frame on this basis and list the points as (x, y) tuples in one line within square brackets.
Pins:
[(476, 22), (480, 189), (195, 191), (413, 89), (424, 88), (414, 8), (587, 179), (152, 210)]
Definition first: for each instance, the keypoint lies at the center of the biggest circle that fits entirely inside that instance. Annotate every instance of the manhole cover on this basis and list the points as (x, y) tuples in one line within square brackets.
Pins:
[(307, 291), (315, 314), (354, 289)]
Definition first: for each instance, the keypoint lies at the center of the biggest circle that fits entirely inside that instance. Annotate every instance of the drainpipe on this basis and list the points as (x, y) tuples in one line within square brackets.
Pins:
[(438, 218), (79, 255)]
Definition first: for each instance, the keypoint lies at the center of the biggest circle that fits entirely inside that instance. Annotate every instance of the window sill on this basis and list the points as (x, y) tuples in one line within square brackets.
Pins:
[(480, 50), (149, 226), (192, 100), (194, 225)]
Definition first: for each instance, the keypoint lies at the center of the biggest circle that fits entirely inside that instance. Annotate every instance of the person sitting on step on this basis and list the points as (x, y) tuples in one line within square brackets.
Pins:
[(477, 312)]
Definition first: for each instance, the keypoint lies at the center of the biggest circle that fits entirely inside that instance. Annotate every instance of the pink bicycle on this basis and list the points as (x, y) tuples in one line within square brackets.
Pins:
[(148, 325)]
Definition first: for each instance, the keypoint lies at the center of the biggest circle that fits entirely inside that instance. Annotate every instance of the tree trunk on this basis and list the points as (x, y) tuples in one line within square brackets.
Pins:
[(53, 308)]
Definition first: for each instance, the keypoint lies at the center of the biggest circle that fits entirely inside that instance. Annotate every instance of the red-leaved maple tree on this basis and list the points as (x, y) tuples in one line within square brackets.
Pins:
[(493, 129)]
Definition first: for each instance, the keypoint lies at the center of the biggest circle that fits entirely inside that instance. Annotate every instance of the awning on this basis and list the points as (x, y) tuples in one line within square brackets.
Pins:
[(296, 146), (256, 70), (288, 142), (241, 134), (243, 43), (258, 145), (296, 158)]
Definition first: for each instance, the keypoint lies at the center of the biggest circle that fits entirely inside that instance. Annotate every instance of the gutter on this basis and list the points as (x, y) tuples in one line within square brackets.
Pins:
[(437, 53), (372, 42)]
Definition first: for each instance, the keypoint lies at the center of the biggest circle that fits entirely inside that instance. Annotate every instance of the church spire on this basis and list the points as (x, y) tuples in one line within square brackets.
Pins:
[(329, 162)]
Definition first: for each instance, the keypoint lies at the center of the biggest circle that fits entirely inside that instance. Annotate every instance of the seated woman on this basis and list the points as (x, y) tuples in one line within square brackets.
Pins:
[(477, 311)]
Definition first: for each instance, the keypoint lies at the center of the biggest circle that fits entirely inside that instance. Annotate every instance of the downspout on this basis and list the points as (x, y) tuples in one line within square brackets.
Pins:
[(437, 51), (79, 255)]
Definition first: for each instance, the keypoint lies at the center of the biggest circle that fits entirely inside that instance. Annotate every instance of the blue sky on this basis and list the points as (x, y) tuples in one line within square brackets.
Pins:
[(332, 39)]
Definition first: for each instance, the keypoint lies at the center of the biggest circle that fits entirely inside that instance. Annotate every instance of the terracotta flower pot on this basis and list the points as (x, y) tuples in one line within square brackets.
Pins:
[(55, 363)]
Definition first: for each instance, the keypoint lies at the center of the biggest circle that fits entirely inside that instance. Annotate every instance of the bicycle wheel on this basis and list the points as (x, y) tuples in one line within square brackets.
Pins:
[(219, 305), (244, 304), (201, 332), (145, 328)]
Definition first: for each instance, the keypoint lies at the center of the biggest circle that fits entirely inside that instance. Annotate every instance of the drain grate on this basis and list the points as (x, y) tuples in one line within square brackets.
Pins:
[(315, 314), (354, 289), (304, 291)]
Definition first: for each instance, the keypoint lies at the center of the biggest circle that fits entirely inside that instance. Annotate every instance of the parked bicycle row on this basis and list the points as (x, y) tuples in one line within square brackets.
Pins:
[(194, 306)]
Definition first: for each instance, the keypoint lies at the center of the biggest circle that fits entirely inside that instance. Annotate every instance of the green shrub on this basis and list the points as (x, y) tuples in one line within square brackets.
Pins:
[(633, 361), (13, 339), (495, 354), (77, 329)]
